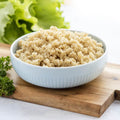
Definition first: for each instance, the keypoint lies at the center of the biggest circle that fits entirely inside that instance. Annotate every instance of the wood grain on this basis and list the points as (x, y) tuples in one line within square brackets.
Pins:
[(91, 99)]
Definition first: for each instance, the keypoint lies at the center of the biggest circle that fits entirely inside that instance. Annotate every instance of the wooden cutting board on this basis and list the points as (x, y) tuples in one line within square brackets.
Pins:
[(91, 99)]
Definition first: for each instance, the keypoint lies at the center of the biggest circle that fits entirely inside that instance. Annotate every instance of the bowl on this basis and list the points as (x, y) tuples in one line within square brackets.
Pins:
[(58, 77)]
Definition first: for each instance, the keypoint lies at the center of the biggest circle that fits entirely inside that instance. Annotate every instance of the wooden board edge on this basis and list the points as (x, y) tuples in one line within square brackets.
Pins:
[(117, 94), (59, 108), (63, 104), (107, 103)]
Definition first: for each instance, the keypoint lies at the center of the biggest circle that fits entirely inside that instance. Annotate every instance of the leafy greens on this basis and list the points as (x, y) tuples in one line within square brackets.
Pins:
[(19, 17), (6, 85)]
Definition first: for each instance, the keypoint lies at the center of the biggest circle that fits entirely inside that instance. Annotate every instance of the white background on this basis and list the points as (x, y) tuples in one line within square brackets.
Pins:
[(99, 17)]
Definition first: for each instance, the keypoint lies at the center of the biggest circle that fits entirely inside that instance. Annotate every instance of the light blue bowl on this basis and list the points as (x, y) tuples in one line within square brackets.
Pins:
[(58, 77)]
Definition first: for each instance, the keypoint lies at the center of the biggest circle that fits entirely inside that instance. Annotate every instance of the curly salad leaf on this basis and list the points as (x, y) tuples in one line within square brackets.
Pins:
[(19, 17), (6, 10)]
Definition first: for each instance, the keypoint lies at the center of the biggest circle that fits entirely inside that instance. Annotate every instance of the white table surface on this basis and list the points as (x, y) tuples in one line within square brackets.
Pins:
[(99, 17)]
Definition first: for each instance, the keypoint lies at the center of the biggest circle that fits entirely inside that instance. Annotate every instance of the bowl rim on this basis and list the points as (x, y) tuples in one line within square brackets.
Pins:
[(45, 67)]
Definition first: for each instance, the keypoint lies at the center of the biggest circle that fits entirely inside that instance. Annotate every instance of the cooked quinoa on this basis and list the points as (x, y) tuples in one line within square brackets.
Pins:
[(59, 48)]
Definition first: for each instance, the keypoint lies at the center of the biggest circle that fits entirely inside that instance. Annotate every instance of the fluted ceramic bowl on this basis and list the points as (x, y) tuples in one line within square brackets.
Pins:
[(58, 77)]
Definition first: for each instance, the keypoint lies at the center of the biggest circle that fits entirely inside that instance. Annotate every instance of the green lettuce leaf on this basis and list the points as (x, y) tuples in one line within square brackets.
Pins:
[(12, 32), (48, 13), (18, 17), (6, 11), (3, 0), (22, 15)]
